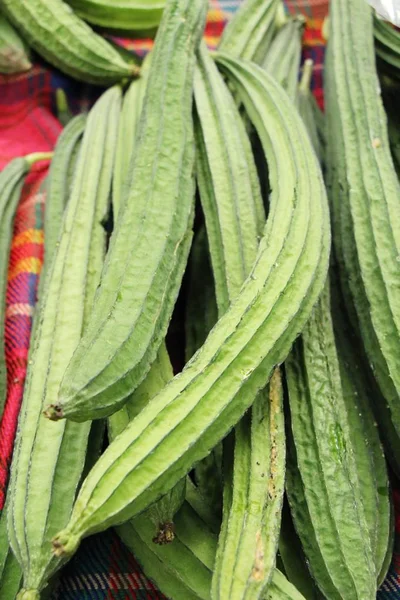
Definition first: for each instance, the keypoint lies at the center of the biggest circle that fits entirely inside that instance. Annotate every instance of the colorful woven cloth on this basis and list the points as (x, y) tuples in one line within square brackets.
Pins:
[(103, 569)]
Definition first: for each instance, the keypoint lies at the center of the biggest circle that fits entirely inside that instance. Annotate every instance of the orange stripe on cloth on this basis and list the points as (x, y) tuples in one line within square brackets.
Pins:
[(26, 265), (30, 236)]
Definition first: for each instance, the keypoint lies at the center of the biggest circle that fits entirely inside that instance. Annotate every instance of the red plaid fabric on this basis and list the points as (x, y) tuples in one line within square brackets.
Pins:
[(103, 569)]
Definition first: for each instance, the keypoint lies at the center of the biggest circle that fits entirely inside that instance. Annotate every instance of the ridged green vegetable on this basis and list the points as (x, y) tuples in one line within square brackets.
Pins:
[(161, 512), (49, 458), (183, 570), (253, 495), (126, 148), (368, 451), (200, 405), (391, 97), (67, 42), (235, 217), (283, 58), (387, 46), (139, 288), (10, 571), (121, 15), (11, 182), (249, 33), (14, 54), (61, 175), (179, 575), (229, 188), (158, 376), (202, 505), (364, 192), (336, 462), (308, 109)]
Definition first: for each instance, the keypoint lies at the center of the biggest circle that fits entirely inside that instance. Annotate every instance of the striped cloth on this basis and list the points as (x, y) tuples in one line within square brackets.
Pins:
[(103, 569)]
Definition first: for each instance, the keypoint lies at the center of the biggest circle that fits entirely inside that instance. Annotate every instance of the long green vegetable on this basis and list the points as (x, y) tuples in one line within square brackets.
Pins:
[(248, 35), (234, 214), (186, 419), (10, 571), (49, 458), (62, 38), (364, 192), (282, 60), (60, 181), (14, 53), (121, 15), (387, 46), (139, 288), (309, 111), (330, 462), (126, 148)]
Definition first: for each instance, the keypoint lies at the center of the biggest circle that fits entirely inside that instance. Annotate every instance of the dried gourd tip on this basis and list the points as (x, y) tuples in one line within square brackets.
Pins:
[(135, 70), (54, 412), (65, 544), (165, 534)]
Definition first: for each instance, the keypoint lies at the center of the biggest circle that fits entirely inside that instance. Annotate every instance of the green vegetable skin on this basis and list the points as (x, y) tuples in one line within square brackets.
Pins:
[(60, 181), (183, 570), (131, 109), (387, 46), (14, 54), (284, 55), (128, 15), (248, 35), (234, 214), (364, 193), (62, 38), (192, 413), (10, 571), (40, 493), (309, 110), (139, 288), (329, 458)]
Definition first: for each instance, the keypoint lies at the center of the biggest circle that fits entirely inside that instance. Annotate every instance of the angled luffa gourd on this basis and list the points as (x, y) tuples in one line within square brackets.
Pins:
[(61, 37), (337, 482), (199, 406), (249, 33), (120, 14), (49, 457), (10, 571), (61, 176), (364, 194), (254, 467), (144, 265), (309, 110), (14, 53), (183, 570), (387, 46), (283, 57)]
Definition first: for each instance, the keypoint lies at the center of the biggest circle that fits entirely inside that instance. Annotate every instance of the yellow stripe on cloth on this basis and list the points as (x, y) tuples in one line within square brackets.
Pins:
[(30, 236), (26, 265)]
